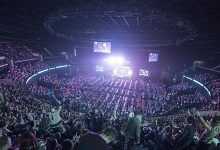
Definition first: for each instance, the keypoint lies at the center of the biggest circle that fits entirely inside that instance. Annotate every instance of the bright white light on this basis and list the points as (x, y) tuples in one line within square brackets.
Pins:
[(198, 82), (119, 60), (111, 60), (28, 80), (115, 60), (42, 71), (130, 72), (115, 71), (62, 66)]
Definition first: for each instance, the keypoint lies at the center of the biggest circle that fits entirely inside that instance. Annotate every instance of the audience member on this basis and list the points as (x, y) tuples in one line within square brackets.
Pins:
[(94, 141)]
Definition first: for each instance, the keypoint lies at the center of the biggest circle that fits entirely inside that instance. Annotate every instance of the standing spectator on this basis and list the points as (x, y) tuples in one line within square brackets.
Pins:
[(6, 108), (209, 133), (134, 129), (186, 137), (54, 116)]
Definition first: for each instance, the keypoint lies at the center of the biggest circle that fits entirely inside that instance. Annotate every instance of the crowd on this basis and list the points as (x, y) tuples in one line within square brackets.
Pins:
[(23, 113), (15, 51), (125, 94), (183, 87), (30, 123), (192, 100), (112, 101), (23, 70), (3, 62), (212, 82), (69, 114)]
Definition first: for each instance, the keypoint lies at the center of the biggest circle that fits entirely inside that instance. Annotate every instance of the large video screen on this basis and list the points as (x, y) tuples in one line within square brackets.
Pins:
[(99, 68), (143, 72), (102, 47), (153, 57)]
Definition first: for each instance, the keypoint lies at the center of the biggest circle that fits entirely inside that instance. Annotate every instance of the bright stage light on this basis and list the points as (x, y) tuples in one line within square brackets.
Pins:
[(111, 60), (119, 60), (115, 60), (130, 72), (115, 71)]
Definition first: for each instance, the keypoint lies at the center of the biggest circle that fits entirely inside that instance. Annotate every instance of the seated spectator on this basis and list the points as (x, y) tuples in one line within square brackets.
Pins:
[(29, 141), (20, 127), (67, 145), (5, 143), (94, 141), (52, 144)]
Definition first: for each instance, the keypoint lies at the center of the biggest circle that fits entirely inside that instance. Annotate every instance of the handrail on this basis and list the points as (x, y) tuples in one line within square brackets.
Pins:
[(57, 67), (208, 69), (198, 83), (25, 60), (3, 65)]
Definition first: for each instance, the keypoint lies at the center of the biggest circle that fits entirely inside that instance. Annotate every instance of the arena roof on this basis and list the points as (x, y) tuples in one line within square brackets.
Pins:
[(192, 25)]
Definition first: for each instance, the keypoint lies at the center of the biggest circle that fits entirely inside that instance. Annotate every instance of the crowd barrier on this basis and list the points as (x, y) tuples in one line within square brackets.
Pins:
[(34, 78), (3, 67), (199, 86)]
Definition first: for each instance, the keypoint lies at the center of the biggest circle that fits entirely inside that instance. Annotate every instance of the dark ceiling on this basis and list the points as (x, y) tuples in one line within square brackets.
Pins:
[(192, 25)]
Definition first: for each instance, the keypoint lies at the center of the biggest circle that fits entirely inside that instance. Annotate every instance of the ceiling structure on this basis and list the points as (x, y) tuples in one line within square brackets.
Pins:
[(192, 25), (129, 25)]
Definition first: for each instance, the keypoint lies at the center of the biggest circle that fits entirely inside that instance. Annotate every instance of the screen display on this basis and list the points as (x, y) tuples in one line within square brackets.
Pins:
[(143, 72), (102, 47), (99, 68), (153, 57), (122, 71)]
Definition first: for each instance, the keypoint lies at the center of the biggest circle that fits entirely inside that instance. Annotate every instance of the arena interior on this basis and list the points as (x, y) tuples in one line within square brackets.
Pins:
[(109, 74)]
